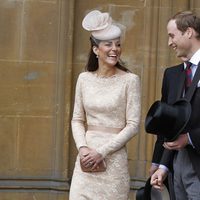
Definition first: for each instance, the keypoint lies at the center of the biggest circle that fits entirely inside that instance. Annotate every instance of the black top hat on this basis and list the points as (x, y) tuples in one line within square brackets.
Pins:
[(168, 120), (149, 193)]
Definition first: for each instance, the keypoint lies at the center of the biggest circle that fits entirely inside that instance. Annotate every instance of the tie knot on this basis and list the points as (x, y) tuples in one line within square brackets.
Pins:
[(188, 64)]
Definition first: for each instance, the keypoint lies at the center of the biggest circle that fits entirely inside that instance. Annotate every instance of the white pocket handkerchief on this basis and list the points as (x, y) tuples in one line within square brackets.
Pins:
[(198, 84)]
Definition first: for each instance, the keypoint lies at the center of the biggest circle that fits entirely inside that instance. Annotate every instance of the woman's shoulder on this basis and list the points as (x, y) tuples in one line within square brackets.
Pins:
[(84, 75), (129, 75), (132, 75)]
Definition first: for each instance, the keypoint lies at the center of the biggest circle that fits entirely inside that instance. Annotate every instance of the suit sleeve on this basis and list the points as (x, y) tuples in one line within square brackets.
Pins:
[(158, 148), (195, 137), (167, 158)]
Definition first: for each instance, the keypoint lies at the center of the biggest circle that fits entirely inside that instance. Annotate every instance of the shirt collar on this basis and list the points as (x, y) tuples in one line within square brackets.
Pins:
[(184, 65), (195, 59)]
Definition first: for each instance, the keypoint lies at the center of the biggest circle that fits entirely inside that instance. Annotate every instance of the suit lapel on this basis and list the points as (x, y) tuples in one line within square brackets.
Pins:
[(180, 84), (176, 83)]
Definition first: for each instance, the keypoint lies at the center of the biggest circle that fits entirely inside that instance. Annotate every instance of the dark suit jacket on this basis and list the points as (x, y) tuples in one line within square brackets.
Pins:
[(172, 90)]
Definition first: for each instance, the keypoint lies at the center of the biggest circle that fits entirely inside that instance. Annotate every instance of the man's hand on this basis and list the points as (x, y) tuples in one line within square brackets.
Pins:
[(157, 178), (177, 144)]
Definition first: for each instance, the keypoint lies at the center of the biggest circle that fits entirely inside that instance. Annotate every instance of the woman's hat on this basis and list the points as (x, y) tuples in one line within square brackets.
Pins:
[(149, 193), (101, 25), (168, 120)]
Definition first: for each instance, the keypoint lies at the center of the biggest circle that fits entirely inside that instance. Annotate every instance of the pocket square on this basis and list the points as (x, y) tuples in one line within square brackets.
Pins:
[(198, 84)]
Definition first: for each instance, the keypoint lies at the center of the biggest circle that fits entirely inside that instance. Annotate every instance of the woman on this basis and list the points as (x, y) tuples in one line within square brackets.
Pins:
[(106, 115)]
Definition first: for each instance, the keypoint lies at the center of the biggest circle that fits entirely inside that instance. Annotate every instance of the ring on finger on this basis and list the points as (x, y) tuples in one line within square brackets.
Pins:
[(90, 163)]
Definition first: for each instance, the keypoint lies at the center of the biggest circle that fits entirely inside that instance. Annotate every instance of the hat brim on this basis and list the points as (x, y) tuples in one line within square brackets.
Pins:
[(160, 195), (186, 113), (149, 193), (156, 125)]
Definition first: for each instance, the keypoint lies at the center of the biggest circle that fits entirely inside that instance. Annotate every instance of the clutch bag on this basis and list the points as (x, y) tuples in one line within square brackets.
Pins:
[(101, 167)]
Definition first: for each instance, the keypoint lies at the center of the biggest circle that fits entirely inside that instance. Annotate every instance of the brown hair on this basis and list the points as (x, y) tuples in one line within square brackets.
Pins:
[(187, 19), (92, 64)]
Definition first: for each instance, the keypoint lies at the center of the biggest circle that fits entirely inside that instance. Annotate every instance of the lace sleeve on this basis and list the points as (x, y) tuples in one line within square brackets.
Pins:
[(133, 109), (78, 119)]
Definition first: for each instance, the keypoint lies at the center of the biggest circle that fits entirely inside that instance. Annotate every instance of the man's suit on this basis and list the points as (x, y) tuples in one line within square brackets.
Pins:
[(172, 90)]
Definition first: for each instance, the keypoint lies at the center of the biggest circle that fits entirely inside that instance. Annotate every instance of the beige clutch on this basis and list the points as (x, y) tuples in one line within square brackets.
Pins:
[(100, 168)]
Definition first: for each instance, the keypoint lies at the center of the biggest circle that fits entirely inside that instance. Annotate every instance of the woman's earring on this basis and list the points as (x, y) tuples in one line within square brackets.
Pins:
[(97, 56)]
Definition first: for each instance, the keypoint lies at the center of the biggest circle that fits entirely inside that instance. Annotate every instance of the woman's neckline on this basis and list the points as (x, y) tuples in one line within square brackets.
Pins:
[(106, 74), (116, 73)]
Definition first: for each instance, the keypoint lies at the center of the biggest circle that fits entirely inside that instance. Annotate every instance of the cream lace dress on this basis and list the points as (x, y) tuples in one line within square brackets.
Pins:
[(112, 102)]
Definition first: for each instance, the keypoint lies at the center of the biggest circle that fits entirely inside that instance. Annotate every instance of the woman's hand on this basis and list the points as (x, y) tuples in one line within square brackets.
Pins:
[(83, 151), (91, 159)]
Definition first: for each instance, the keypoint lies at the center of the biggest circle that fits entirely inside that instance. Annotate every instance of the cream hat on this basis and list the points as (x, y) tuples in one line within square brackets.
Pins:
[(101, 25)]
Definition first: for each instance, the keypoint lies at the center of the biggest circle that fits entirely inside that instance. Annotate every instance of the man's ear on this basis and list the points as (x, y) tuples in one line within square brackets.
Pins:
[(95, 50), (190, 32)]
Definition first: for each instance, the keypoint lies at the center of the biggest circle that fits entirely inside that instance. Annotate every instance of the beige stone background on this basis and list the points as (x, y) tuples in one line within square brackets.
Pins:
[(43, 48)]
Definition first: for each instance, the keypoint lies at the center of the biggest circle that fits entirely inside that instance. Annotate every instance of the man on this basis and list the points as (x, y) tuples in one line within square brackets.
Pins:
[(183, 154), (158, 150)]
